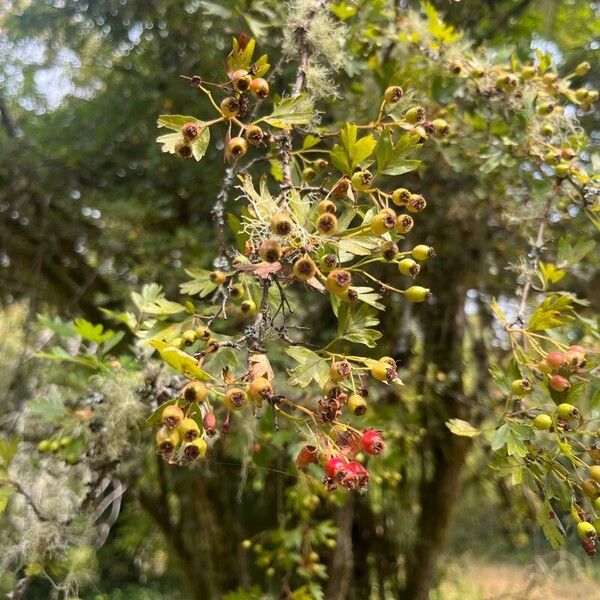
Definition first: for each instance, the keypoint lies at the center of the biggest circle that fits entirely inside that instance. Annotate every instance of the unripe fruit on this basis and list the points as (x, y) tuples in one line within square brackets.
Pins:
[(520, 387), (372, 442), (341, 188), (383, 221), (547, 130), (362, 180), (195, 450), (559, 383), (416, 203), (556, 360), (546, 108), (528, 72), (562, 170), (320, 164), (357, 405), (281, 223), (393, 94), (590, 488), (54, 446), (338, 281), (576, 359), (191, 131), (417, 293), (304, 268), (340, 370), (552, 158), (327, 224), (43, 446), (237, 147), (210, 424), (326, 206), (349, 295), (595, 472), (335, 466), (585, 530), (248, 307), (542, 422), (188, 430), (407, 266), (422, 252), (414, 115), (254, 135), (241, 80), (247, 544), (270, 251), (388, 360), (328, 262), (235, 398), (188, 337), (261, 389), (218, 277), (229, 107), (237, 291), (592, 96), (178, 343), (582, 68), (308, 173), (171, 416), (440, 127), (420, 134), (404, 223), (549, 78), (566, 411), (400, 196), (167, 440), (389, 250), (383, 371), (259, 87), (183, 149), (195, 391)]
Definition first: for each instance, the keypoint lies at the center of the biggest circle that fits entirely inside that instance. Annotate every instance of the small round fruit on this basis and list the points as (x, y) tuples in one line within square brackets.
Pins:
[(328, 262), (414, 115), (189, 337), (416, 203), (167, 440), (400, 196), (237, 147), (237, 291), (229, 107), (261, 389), (389, 250), (422, 252), (542, 422), (248, 307), (547, 130), (259, 87), (339, 370), (383, 221), (595, 472), (54, 446), (43, 446), (388, 360), (362, 180), (521, 387), (417, 293), (218, 277), (586, 530), (178, 343), (320, 164), (383, 371), (195, 450), (241, 80), (338, 281), (281, 223), (556, 360), (308, 174), (357, 405), (582, 68), (562, 170), (372, 442), (335, 466), (270, 250), (171, 416), (304, 268), (566, 411), (393, 94), (235, 398), (420, 134), (188, 430), (191, 130), (254, 135), (183, 149), (409, 267), (195, 391), (327, 224), (590, 488), (440, 127), (326, 206), (559, 383), (404, 223)]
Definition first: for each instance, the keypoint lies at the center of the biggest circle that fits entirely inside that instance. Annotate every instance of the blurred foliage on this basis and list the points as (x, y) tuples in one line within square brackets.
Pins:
[(90, 211)]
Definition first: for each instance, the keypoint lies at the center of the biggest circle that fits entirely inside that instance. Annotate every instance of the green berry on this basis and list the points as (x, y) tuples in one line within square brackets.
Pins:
[(542, 422)]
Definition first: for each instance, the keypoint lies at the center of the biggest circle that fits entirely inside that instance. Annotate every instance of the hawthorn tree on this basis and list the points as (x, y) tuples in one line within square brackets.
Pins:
[(320, 208)]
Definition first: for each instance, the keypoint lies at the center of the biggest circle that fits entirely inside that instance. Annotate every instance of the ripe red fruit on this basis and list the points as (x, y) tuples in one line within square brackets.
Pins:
[(259, 87), (356, 476), (335, 466), (210, 424), (559, 383), (372, 441), (556, 360)]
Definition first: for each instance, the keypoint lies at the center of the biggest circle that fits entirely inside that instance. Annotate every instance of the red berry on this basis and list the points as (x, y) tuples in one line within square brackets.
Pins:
[(372, 441), (556, 360), (210, 424), (559, 383), (335, 466)]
